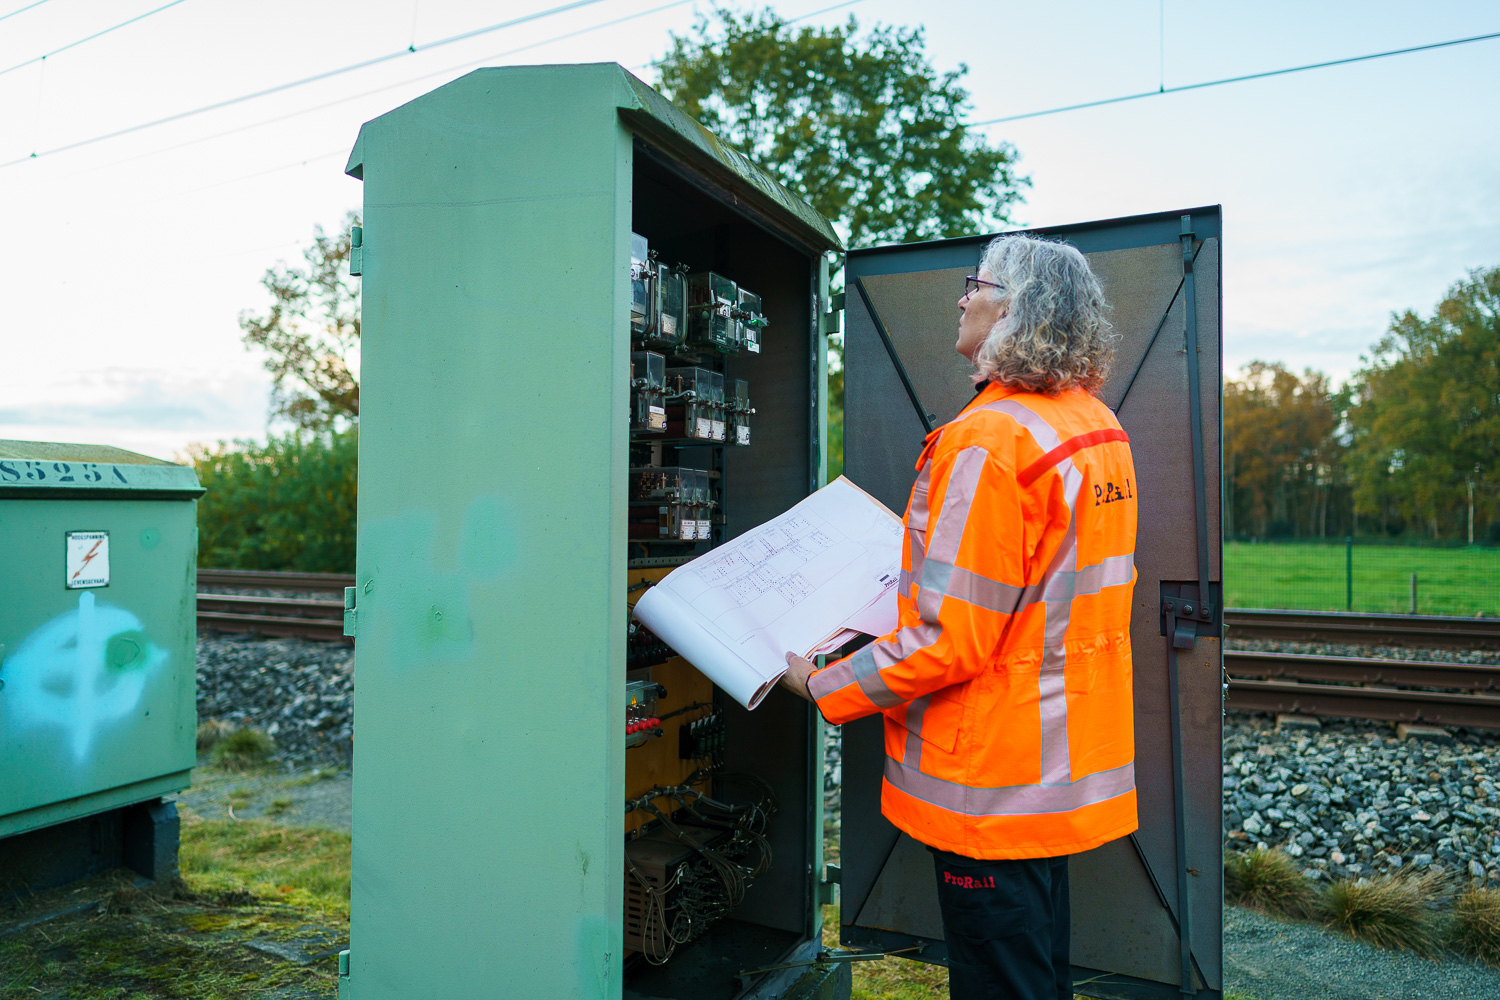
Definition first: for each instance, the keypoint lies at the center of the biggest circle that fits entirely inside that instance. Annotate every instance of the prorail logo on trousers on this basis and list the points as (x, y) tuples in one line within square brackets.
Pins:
[(969, 881)]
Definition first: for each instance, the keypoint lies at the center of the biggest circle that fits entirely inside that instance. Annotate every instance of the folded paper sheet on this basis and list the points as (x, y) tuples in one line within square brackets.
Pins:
[(806, 581)]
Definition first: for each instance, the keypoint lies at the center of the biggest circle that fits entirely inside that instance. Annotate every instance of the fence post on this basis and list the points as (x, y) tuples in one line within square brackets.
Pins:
[(1414, 593), (1348, 572)]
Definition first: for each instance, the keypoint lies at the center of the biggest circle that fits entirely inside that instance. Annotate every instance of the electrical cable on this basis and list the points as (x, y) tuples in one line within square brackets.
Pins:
[(391, 86), (924, 133), (292, 84), (97, 34), (1231, 79), (22, 10)]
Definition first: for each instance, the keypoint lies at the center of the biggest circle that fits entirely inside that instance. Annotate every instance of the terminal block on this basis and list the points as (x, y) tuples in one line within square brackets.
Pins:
[(641, 722), (665, 503), (648, 390), (740, 412), (695, 400), (751, 321), (702, 739), (643, 648), (712, 302)]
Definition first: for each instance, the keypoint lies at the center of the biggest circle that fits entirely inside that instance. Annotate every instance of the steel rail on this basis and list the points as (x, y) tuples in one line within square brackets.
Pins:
[(274, 580), (1439, 708), (1246, 665), (279, 616), (1429, 631)]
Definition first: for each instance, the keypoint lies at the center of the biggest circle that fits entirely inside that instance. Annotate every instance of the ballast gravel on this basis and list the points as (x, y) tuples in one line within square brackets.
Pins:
[(300, 693), (1355, 800)]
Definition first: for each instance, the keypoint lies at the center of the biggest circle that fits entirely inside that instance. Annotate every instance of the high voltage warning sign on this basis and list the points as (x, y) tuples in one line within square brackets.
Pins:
[(88, 559)]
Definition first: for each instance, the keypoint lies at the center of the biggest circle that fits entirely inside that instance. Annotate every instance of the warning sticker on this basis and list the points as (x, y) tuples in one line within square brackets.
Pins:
[(88, 559)]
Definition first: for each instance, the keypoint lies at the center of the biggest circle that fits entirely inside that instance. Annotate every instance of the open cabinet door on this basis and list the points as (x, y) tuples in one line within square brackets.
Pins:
[(1147, 909)]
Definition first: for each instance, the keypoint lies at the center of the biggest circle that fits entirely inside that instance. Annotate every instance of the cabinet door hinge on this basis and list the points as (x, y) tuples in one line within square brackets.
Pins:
[(828, 888), (349, 612), (356, 250), (832, 320)]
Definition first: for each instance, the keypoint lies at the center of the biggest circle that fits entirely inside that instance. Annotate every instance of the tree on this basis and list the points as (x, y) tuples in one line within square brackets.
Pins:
[(862, 127), (311, 334), (286, 505), (1426, 421), (1283, 454)]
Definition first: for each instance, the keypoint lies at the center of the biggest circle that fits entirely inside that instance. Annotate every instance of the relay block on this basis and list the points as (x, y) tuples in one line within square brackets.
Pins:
[(689, 857)]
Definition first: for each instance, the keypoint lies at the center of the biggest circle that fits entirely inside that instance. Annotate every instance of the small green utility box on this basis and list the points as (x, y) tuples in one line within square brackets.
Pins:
[(97, 657)]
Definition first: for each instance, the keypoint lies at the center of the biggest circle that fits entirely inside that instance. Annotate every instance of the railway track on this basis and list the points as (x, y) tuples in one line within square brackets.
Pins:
[(1439, 693), (1417, 631)]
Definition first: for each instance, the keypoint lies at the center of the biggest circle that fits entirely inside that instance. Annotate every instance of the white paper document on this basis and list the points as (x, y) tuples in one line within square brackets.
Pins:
[(807, 581)]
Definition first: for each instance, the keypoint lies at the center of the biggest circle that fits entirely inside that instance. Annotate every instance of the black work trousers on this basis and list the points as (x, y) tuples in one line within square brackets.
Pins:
[(1007, 926)]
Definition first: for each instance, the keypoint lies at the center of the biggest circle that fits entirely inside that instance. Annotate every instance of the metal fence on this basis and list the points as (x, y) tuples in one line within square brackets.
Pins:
[(1363, 575)]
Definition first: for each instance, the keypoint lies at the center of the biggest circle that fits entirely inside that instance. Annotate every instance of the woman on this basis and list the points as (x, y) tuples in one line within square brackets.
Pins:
[(1006, 689)]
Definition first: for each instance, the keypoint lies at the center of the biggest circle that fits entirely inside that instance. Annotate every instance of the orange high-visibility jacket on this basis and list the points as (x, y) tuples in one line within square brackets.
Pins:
[(1009, 729)]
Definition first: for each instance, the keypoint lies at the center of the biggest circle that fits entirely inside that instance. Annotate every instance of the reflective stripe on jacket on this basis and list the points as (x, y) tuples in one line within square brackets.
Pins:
[(1009, 726)]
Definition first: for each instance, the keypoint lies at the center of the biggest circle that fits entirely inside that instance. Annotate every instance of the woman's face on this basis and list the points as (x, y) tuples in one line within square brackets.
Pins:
[(978, 312)]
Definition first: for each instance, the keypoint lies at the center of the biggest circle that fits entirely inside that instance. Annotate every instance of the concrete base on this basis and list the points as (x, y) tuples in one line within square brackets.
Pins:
[(1306, 723), (1429, 734), (143, 837)]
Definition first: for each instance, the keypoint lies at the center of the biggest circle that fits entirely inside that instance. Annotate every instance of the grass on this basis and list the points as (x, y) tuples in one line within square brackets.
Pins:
[(313, 777), (1268, 881), (278, 806), (1311, 577), (1476, 924), (242, 750), (241, 881), (210, 732), (303, 867), (1390, 911)]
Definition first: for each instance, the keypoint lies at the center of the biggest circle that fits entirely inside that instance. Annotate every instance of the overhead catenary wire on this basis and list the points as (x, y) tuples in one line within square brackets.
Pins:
[(1231, 79), (942, 129), (292, 84), (22, 10), (90, 38), (391, 86)]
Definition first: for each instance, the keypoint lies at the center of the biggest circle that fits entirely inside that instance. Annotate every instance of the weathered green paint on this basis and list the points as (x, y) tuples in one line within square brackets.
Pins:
[(97, 686), (489, 607), (488, 770)]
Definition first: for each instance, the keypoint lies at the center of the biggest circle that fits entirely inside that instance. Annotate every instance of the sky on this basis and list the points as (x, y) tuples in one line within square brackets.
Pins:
[(1348, 192)]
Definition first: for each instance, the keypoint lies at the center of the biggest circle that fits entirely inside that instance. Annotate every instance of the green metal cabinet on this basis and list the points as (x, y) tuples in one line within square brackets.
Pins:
[(490, 606), (97, 650)]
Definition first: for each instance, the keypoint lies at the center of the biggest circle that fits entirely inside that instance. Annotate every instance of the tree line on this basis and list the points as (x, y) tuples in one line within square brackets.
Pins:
[(1406, 449)]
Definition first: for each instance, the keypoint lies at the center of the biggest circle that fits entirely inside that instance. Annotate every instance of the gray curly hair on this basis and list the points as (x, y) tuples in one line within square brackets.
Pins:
[(1055, 334)]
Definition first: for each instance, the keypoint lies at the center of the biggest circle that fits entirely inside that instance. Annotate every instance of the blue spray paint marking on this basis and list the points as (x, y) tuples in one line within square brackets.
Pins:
[(80, 672)]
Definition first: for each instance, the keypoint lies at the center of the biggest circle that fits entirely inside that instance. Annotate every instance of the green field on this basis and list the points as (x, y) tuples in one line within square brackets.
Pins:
[(1307, 576)]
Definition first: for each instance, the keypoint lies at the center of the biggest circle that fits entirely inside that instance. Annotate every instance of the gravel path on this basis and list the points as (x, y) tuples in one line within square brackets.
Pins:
[(1267, 959), (307, 797)]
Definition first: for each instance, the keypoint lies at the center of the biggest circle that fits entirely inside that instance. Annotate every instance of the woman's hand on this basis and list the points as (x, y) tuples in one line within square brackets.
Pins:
[(797, 672)]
